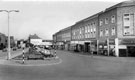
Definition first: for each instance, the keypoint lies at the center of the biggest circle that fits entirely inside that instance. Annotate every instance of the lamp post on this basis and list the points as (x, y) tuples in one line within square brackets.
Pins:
[(9, 55)]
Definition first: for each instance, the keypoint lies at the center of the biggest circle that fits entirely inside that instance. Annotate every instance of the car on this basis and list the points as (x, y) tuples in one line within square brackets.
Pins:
[(4, 50), (14, 48)]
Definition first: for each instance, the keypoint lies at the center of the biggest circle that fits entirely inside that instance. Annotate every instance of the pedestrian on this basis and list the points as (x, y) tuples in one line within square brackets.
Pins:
[(55, 52), (113, 50)]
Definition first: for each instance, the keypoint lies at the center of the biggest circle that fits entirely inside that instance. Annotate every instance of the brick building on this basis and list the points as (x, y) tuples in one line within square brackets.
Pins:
[(109, 32)]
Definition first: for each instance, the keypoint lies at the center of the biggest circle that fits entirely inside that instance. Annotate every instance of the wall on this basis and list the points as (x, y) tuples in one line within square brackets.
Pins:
[(120, 13)]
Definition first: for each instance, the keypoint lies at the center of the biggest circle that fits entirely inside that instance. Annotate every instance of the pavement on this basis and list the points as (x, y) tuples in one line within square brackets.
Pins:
[(74, 67), (3, 55)]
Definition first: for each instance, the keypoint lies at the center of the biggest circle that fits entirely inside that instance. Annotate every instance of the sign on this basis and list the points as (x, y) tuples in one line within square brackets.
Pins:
[(127, 42), (36, 41), (81, 42), (111, 41), (122, 47)]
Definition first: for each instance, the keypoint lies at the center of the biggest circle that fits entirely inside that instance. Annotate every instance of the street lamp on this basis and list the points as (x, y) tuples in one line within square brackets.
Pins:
[(9, 55)]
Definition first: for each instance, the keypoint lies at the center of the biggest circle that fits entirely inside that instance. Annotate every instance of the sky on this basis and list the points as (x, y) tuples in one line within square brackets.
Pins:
[(46, 17)]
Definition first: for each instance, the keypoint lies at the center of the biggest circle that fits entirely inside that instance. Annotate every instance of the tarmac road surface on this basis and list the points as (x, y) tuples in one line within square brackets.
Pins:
[(74, 67)]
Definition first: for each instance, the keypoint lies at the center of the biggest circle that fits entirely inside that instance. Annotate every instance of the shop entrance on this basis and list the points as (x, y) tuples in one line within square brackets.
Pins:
[(87, 47), (131, 51)]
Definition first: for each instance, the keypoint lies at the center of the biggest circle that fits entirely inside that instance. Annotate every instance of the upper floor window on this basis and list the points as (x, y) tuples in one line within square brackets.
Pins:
[(113, 31), (85, 35), (106, 32), (113, 19), (80, 31), (126, 19), (128, 24), (86, 29), (94, 29), (101, 33), (106, 20), (101, 22)]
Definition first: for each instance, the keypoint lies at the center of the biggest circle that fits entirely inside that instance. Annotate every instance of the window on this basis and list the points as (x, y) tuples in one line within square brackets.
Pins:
[(101, 22), (126, 20), (106, 20), (0, 39), (85, 35), (80, 31), (101, 33), (127, 24), (106, 32), (73, 32), (113, 31), (91, 30), (86, 29), (113, 19), (94, 29)]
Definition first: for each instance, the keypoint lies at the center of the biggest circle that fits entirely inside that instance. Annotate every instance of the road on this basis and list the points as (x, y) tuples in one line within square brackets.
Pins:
[(74, 67)]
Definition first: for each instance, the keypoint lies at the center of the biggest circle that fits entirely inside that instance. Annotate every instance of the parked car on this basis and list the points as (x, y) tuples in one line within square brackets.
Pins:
[(14, 48), (4, 50)]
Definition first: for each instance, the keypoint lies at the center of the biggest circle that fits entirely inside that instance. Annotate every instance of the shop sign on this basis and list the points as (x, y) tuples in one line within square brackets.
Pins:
[(127, 41), (122, 47), (87, 41), (94, 41), (72, 42), (81, 42), (76, 42), (112, 41)]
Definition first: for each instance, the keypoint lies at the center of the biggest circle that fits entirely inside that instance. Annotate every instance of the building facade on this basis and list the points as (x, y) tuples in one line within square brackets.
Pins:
[(3, 43), (110, 32), (77, 36)]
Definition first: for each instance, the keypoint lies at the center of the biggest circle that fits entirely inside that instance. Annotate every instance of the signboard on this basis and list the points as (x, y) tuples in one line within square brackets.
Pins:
[(122, 47), (127, 42), (81, 42), (46, 43), (36, 41)]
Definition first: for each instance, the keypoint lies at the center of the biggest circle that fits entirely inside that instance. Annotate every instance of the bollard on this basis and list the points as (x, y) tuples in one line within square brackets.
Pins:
[(55, 53), (23, 56)]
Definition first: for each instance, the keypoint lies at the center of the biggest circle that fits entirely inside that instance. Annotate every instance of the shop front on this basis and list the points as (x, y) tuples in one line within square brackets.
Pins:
[(87, 46), (67, 45), (127, 47), (106, 47), (93, 46), (102, 46)]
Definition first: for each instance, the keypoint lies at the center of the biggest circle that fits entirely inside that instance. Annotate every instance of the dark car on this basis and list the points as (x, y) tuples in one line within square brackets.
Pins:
[(14, 48)]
